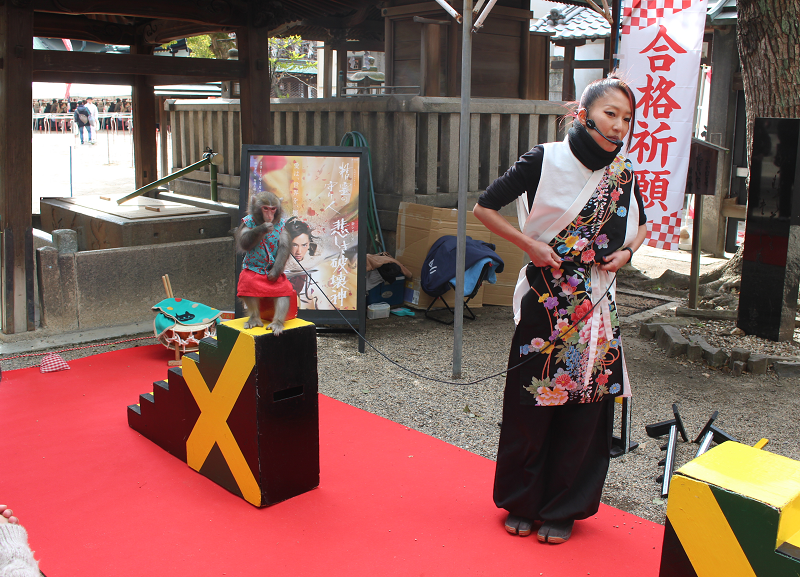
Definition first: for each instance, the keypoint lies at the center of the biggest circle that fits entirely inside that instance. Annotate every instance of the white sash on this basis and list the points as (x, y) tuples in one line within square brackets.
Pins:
[(553, 206)]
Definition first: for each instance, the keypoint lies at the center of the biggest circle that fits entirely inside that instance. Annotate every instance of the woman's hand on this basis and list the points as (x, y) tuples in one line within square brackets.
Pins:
[(542, 254), (615, 261)]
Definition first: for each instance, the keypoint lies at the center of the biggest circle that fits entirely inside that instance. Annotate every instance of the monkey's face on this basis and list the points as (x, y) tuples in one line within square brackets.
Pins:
[(268, 213)]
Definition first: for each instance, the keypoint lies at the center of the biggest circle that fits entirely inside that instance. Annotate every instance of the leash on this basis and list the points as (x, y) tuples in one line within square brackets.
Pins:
[(445, 382)]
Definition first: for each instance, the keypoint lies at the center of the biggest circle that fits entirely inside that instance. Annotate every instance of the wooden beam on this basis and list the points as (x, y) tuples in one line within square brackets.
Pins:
[(16, 158), (48, 25), (228, 12), (158, 32), (409, 10), (359, 45), (581, 64), (85, 78), (117, 79), (138, 64), (256, 122)]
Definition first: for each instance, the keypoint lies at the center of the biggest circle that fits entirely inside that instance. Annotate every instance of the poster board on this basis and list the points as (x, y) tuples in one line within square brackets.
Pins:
[(324, 195)]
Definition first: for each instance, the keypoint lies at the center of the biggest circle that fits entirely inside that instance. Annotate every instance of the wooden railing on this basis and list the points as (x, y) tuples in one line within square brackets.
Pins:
[(413, 139)]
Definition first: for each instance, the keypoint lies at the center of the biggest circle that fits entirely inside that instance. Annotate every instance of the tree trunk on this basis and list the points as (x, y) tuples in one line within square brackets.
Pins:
[(770, 54)]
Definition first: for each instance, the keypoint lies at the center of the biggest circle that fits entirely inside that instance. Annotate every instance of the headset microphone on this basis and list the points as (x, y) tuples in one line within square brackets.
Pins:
[(591, 124)]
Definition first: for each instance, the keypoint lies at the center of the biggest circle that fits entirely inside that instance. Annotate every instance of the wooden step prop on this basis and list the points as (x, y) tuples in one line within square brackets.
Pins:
[(735, 510), (242, 411)]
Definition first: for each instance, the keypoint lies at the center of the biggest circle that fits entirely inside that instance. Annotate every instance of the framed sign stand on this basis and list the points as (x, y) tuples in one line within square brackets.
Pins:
[(324, 195)]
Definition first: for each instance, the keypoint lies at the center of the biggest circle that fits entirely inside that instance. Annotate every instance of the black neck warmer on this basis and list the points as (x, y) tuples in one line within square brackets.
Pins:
[(585, 149)]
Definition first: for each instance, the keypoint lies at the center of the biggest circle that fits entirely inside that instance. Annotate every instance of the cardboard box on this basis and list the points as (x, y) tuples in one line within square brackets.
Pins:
[(419, 226)]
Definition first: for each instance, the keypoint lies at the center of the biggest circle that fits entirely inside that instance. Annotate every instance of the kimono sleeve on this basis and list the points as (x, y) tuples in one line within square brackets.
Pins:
[(522, 176)]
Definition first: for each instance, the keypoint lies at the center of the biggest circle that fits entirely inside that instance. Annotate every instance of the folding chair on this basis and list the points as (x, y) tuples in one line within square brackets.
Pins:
[(468, 313)]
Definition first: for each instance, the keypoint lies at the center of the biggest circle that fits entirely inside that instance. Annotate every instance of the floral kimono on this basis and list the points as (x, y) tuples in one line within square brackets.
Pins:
[(572, 352)]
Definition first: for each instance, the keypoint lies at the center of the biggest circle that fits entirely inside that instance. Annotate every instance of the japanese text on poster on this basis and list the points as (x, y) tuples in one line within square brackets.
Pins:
[(660, 48)]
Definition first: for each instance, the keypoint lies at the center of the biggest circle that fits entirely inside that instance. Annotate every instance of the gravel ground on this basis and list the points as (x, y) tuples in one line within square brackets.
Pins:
[(468, 416)]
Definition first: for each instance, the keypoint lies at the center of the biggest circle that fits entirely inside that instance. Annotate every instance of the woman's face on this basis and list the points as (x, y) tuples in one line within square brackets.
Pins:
[(612, 115), (300, 246)]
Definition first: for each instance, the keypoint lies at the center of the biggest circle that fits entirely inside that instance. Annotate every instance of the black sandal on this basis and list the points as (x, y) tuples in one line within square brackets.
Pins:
[(518, 525), (555, 531)]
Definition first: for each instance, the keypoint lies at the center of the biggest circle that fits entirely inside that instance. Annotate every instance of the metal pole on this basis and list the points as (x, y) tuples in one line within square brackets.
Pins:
[(669, 465), (70, 171), (697, 233), (463, 176)]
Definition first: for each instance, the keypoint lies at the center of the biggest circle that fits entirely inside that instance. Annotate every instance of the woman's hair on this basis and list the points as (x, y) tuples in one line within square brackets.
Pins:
[(600, 88), (297, 227)]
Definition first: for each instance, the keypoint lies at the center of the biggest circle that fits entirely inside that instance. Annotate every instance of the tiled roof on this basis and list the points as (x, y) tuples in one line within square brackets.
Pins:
[(573, 23), (721, 12)]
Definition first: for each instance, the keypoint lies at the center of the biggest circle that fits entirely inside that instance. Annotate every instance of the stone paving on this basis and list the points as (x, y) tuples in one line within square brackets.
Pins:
[(695, 348)]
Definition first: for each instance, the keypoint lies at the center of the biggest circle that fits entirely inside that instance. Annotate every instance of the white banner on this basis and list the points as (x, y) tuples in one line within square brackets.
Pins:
[(660, 47)]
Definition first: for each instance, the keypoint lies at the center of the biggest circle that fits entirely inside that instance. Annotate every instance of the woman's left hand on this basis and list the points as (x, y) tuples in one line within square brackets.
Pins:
[(615, 261)]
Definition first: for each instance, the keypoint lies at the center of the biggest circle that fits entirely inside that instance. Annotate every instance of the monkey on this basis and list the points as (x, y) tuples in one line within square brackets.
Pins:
[(263, 238)]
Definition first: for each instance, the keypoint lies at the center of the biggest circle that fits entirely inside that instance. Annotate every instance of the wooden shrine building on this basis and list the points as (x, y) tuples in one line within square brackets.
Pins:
[(422, 46)]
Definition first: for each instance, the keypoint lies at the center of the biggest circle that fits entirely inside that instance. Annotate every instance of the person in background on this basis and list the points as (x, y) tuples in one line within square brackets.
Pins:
[(16, 557), (581, 219), (80, 114), (52, 108), (92, 107), (117, 108)]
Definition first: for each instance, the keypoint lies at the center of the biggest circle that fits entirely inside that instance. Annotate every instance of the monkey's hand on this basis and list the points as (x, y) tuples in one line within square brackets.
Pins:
[(281, 256), (248, 238)]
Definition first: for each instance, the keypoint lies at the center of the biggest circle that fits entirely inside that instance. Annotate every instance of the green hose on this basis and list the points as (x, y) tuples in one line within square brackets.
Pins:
[(373, 223)]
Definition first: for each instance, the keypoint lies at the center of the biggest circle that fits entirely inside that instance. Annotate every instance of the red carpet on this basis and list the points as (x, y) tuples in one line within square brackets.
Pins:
[(100, 500)]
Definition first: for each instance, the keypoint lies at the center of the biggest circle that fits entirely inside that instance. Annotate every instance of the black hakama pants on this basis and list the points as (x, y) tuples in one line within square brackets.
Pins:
[(552, 461)]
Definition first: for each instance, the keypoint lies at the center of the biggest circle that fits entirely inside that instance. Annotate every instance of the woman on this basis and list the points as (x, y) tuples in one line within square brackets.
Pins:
[(582, 220)]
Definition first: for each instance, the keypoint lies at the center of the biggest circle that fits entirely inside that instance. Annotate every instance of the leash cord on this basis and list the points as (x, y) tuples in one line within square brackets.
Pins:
[(442, 381)]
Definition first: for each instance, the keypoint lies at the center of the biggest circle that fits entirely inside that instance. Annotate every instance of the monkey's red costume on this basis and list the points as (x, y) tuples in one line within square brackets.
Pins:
[(258, 261)]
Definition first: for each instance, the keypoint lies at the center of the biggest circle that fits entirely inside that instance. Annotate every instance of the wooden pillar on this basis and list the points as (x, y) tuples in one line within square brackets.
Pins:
[(145, 151), (453, 59), (430, 59), (163, 127), (16, 162), (254, 101), (568, 84), (388, 42), (341, 69), (524, 61), (327, 71)]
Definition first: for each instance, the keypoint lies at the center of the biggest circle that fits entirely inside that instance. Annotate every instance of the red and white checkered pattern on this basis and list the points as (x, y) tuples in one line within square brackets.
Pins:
[(664, 234), (644, 13), (52, 363)]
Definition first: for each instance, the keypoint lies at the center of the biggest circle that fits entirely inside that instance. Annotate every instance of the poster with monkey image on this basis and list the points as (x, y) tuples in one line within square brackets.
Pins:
[(320, 200)]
